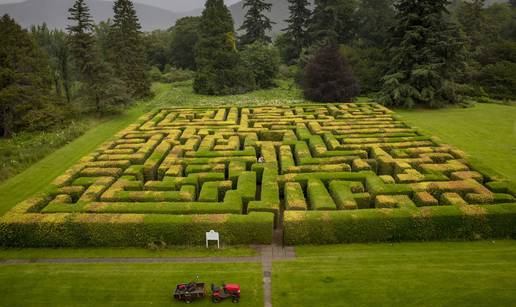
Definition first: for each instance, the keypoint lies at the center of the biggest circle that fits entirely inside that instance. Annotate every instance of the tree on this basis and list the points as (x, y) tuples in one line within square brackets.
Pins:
[(328, 77), (374, 19), (427, 52), (98, 84), (25, 84), (55, 44), (184, 37), (128, 50), (256, 23), (333, 21), (296, 34), (219, 67), (472, 18), (263, 60)]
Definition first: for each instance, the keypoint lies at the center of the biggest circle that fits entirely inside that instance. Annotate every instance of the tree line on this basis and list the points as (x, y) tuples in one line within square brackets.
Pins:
[(404, 53), (50, 76)]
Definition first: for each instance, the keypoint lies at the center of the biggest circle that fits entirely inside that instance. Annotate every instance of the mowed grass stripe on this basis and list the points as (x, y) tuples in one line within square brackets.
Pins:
[(121, 284), (406, 274)]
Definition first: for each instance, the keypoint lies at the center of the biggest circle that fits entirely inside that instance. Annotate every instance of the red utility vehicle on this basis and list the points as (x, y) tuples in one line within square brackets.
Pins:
[(226, 291)]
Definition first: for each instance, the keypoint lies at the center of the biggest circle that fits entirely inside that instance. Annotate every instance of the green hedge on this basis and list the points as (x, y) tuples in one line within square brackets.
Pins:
[(378, 225), (123, 230)]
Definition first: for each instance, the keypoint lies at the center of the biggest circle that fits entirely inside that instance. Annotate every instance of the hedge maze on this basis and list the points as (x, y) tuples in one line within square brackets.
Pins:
[(325, 173)]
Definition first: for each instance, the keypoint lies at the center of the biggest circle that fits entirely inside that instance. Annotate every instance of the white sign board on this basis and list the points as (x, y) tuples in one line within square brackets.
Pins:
[(212, 235)]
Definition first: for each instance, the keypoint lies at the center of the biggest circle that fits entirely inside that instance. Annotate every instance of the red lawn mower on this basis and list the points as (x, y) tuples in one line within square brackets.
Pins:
[(218, 294)]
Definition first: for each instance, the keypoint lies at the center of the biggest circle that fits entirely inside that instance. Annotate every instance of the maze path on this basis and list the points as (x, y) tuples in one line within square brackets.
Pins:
[(236, 161)]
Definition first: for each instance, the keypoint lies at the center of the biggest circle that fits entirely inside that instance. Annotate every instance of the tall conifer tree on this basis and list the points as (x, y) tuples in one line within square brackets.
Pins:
[(98, 83), (128, 50), (256, 24), (296, 33), (219, 67), (426, 53), (25, 84), (333, 21)]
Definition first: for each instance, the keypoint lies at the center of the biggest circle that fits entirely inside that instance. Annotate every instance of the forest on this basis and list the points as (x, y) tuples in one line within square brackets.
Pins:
[(401, 53)]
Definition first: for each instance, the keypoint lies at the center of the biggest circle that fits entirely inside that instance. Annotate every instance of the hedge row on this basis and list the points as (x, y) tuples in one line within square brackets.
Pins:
[(379, 225), (123, 230)]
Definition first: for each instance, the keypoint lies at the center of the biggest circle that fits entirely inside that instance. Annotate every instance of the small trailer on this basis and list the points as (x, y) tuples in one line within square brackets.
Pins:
[(190, 292)]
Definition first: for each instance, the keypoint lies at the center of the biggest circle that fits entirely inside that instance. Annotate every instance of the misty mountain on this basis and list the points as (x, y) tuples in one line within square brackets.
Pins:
[(154, 14), (55, 13)]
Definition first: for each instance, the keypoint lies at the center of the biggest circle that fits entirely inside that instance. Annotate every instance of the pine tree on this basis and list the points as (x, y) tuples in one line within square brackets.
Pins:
[(333, 21), (25, 84), (128, 50), (426, 53), (98, 82), (328, 77), (219, 67), (81, 37), (296, 34), (374, 19), (256, 23), (55, 44)]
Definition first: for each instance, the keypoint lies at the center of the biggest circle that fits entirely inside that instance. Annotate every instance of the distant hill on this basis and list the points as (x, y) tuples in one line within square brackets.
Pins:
[(55, 13)]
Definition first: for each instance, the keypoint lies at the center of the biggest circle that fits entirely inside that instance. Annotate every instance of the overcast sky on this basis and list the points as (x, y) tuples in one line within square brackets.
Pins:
[(173, 5)]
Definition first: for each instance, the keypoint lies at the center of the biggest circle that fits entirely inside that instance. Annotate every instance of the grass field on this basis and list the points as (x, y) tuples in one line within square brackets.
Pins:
[(193, 252), (120, 284), (408, 274), (486, 131)]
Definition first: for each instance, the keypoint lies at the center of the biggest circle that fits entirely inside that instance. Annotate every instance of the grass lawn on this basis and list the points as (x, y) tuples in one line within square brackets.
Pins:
[(120, 284), (173, 252), (486, 131), (408, 274)]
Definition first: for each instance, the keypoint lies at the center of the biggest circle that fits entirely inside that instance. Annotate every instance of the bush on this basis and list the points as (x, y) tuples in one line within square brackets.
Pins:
[(263, 60), (328, 78), (177, 75)]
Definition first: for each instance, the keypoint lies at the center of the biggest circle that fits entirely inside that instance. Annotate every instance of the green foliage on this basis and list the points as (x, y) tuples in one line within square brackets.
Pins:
[(98, 85), (372, 225), (368, 64), (26, 148), (491, 47), (184, 37), (156, 44), (219, 67), (256, 23), (426, 53), (25, 84), (76, 230), (296, 35), (328, 77), (263, 61), (55, 44), (333, 21), (374, 18), (128, 53)]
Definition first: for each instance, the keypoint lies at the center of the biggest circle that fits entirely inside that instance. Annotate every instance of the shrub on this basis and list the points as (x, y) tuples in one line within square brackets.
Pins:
[(328, 78), (263, 60)]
